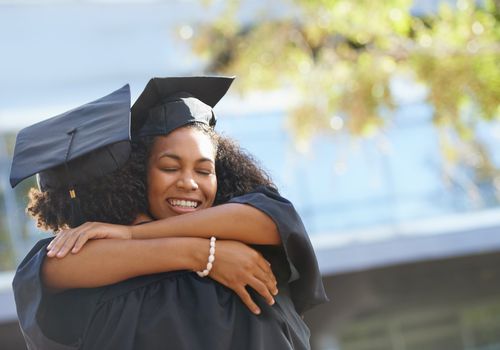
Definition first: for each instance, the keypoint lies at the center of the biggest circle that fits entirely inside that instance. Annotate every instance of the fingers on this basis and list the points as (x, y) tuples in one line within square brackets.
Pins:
[(247, 300), (267, 279), (65, 241), (266, 275), (263, 263), (74, 239), (262, 289), (81, 240), (57, 243)]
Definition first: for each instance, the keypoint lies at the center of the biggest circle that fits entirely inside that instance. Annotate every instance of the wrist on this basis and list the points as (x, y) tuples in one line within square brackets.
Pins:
[(211, 259), (199, 254)]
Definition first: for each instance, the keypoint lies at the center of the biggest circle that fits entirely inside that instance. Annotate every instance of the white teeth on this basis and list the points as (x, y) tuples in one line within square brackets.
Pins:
[(183, 203)]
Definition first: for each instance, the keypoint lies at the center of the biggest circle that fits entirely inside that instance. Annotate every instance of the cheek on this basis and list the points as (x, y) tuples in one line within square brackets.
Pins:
[(156, 189), (155, 184), (211, 190)]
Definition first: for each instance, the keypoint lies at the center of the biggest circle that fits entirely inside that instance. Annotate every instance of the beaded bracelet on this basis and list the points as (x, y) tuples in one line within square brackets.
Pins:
[(211, 259)]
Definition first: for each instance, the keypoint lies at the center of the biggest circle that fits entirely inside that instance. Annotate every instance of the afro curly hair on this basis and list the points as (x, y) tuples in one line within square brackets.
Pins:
[(114, 198)]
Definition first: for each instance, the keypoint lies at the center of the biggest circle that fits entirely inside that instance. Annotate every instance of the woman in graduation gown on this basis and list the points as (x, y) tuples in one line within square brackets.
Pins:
[(180, 309), (85, 174)]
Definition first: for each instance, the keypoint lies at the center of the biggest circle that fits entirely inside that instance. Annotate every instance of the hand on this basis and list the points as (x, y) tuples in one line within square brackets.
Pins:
[(74, 239), (237, 265)]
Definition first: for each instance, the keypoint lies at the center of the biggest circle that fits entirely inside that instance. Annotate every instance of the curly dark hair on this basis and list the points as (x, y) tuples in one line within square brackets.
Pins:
[(120, 196), (238, 172), (115, 198)]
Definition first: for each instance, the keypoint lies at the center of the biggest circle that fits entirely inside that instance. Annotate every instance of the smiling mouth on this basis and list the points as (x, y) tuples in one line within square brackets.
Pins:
[(183, 203)]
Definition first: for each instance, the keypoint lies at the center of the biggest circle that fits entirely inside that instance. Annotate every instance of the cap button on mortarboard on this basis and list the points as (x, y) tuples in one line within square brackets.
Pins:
[(71, 131)]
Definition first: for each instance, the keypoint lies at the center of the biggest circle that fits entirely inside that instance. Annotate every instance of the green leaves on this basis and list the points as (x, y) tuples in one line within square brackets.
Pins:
[(341, 56)]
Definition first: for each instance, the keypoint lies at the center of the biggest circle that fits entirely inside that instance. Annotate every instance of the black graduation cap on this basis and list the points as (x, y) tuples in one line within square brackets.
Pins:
[(169, 103), (74, 147)]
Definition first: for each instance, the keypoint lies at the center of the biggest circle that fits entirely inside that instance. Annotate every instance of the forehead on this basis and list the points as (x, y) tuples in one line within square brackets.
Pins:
[(186, 142)]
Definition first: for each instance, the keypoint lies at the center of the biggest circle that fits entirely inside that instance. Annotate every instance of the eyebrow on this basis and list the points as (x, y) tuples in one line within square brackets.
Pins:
[(176, 157)]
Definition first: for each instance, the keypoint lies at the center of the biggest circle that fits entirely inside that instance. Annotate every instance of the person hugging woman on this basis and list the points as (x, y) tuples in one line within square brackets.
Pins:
[(182, 243)]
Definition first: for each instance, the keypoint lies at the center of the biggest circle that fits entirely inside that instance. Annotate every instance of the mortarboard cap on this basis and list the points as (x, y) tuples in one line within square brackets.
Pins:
[(169, 103), (74, 147)]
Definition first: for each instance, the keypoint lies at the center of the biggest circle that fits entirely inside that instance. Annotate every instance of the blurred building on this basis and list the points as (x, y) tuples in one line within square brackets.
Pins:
[(410, 260)]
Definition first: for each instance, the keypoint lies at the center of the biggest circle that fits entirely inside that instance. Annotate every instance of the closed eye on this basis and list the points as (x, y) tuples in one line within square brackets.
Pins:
[(169, 170)]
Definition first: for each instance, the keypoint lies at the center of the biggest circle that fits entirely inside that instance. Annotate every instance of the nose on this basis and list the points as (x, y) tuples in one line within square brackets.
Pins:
[(187, 183)]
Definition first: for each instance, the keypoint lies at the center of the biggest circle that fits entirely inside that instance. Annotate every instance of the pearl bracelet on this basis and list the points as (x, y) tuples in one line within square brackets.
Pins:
[(211, 259)]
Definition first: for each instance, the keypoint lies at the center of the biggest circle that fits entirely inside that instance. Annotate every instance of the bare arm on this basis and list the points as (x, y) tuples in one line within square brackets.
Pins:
[(233, 221), (109, 261), (239, 222)]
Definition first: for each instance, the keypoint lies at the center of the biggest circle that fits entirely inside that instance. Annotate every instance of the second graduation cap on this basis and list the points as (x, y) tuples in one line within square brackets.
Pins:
[(79, 145), (169, 103)]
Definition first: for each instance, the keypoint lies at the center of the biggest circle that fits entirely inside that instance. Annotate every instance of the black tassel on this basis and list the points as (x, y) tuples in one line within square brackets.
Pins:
[(76, 210)]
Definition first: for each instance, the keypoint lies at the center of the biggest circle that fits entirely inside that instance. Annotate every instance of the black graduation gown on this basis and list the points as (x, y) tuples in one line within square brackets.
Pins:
[(177, 310)]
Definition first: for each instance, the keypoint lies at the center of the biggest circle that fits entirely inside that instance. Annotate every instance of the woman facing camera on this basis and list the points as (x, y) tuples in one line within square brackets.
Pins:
[(133, 303)]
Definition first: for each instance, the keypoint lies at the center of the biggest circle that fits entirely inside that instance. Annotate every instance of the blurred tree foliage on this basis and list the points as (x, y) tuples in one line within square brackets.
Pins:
[(342, 56), (16, 237)]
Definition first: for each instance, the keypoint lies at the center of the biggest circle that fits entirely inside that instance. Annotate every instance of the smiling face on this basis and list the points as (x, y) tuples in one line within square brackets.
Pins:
[(181, 173)]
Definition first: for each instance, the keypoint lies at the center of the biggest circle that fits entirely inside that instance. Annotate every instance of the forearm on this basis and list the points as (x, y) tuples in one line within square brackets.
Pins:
[(107, 261), (228, 221)]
